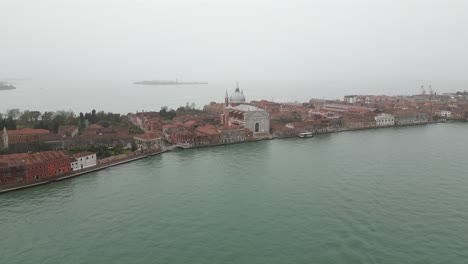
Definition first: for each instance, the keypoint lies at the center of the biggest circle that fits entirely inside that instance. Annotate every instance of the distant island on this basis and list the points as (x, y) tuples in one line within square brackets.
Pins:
[(159, 82), (5, 86)]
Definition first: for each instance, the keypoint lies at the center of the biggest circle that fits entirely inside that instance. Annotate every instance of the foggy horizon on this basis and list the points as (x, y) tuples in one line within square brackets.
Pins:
[(294, 50)]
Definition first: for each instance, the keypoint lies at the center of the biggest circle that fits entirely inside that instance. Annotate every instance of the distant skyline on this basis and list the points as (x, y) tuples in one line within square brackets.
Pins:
[(301, 49)]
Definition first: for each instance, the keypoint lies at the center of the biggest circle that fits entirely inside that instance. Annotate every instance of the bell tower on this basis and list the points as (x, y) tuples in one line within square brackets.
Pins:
[(226, 99)]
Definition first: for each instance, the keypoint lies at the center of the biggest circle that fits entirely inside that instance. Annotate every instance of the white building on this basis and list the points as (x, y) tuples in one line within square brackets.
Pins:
[(236, 98), (83, 160), (150, 141), (246, 116), (350, 99), (444, 113), (4, 139), (384, 120)]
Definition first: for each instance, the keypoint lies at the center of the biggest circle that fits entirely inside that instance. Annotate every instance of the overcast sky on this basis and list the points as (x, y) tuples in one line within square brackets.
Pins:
[(393, 44)]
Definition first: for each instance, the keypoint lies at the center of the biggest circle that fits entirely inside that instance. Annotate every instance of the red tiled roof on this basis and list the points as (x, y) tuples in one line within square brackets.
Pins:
[(28, 131), (32, 158), (95, 126), (68, 129), (83, 154), (149, 136), (207, 130), (190, 123)]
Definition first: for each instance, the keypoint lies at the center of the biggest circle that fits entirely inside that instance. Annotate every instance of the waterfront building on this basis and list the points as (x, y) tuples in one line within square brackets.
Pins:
[(410, 117), (25, 168), (232, 135), (383, 119), (358, 120), (444, 113), (208, 132), (246, 116), (83, 160), (183, 137), (150, 141)]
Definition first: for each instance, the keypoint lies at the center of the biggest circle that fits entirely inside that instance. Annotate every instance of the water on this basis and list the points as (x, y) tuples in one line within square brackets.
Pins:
[(122, 96), (396, 195)]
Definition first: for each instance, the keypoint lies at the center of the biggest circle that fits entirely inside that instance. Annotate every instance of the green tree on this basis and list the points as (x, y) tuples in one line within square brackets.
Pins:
[(13, 113)]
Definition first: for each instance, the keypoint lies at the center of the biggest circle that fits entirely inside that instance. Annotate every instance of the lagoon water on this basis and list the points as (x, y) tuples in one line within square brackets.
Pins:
[(396, 195)]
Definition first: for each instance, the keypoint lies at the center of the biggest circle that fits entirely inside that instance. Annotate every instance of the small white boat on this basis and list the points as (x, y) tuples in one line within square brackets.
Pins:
[(306, 134)]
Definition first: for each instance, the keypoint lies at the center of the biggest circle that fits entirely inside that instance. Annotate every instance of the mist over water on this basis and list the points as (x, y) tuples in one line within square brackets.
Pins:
[(122, 96), (86, 54)]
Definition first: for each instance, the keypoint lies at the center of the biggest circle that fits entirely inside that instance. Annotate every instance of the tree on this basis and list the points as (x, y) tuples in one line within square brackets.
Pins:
[(163, 111), (181, 109), (9, 123), (171, 114), (81, 118), (47, 116), (25, 117), (35, 115), (13, 113), (92, 118)]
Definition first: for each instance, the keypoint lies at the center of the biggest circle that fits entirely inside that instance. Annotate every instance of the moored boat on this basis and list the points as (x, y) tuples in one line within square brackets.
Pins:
[(306, 135)]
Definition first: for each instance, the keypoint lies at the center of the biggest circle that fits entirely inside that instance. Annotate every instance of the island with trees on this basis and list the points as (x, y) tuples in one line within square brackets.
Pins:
[(6, 86), (160, 82)]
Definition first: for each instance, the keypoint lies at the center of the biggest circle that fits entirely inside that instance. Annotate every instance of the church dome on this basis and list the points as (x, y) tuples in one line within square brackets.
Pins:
[(237, 96)]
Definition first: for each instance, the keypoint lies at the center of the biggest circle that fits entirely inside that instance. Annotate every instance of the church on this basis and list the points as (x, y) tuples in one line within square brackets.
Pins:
[(237, 113)]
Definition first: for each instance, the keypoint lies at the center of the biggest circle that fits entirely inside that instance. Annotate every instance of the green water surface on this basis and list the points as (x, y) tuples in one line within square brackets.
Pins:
[(395, 195)]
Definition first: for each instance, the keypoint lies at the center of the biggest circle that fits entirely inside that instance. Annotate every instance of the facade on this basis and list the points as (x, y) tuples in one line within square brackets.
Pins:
[(183, 137), (68, 131), (150, 141), (411, 118), (232, 135), (444, 113), (26, 135), (23, 140), (246, 116), (83, 160), (4, 139), (382, 120), (209, 134), (28, 168), (350, 99)]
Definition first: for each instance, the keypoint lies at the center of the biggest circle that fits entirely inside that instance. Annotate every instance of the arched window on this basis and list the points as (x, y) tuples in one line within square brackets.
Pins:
[(257, 127)]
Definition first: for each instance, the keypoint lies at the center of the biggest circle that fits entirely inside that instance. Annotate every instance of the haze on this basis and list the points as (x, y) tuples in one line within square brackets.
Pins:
[(283, 49)]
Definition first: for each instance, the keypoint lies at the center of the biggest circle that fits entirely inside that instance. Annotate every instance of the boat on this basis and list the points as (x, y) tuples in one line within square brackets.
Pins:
[(306, 135)]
